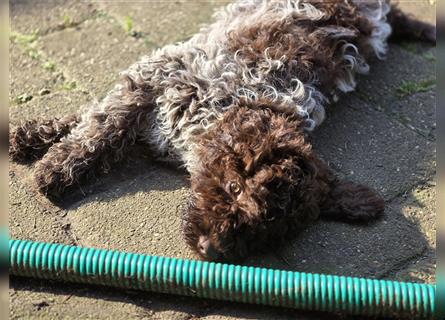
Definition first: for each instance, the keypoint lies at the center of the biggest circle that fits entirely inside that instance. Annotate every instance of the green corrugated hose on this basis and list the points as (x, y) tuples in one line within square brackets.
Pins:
[(305, 291)]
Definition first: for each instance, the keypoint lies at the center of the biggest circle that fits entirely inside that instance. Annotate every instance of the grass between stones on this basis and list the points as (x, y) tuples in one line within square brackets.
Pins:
[(411, 87)]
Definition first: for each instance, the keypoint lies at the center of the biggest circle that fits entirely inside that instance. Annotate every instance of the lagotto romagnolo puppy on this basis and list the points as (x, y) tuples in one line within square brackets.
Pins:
[(234, 104)]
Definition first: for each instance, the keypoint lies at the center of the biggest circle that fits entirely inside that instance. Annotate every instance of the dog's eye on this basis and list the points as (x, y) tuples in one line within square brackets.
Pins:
[(235, 188)]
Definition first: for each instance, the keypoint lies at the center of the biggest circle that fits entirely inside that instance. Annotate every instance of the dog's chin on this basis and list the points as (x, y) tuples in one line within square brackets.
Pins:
[(233, 255), (226, 256), (233, 251)]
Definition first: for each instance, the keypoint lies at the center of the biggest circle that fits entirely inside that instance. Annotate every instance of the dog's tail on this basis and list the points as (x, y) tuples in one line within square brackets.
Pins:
[(406, 27), (31, 139)]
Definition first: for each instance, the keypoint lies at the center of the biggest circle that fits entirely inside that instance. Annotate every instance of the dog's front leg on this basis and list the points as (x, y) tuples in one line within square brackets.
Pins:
[(101, 138), (349, 201), (346, 200)]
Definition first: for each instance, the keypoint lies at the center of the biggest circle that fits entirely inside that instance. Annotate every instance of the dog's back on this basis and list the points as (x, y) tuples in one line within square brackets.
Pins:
[(302, 54)]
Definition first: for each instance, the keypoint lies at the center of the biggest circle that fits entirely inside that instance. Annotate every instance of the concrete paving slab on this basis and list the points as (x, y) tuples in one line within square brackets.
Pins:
[(31, 219), (55, 104), (265, 313), (366, 146), (403, 86), (179, 20), (422, 269), (93, 53), (418, 113), (36, 299), (29, 16), (424, 10), (139, 211), (354, 250), (31, 299), (419, 207), (27, 76)]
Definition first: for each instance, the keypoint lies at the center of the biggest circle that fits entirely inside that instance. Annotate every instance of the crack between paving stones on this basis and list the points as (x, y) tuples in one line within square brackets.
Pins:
[(391, 118), (67, 230), (59, 28), (419, 183), (404, 264), (66, 76), (110, 18), (417, 131), (65, 72)]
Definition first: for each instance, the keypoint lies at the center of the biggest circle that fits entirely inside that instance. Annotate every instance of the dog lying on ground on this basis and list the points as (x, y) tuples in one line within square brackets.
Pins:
[(234, 104)]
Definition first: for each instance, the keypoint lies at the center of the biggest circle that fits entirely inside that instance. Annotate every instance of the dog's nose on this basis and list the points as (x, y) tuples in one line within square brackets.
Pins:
[(206, 249)]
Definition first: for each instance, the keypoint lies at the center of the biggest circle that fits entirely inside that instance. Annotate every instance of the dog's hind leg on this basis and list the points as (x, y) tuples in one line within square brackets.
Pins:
[(101, 138), (30, 140)]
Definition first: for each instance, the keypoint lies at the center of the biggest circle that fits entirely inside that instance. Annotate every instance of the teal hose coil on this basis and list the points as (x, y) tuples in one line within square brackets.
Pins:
[(304, 291)]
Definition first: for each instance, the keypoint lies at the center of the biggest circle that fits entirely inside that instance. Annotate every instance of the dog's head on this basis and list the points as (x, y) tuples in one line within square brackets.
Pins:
[(254, 183)]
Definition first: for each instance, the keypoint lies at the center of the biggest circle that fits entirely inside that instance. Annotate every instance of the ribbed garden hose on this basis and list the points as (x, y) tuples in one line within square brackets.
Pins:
[(305, 291)]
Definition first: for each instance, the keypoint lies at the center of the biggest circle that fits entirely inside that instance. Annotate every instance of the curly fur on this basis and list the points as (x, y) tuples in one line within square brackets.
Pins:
[(282, 185), (233, 104), (101, 138), (31, 140)]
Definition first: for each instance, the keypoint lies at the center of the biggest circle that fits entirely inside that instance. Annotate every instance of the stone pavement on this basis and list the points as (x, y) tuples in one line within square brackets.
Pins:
[(66, 53)]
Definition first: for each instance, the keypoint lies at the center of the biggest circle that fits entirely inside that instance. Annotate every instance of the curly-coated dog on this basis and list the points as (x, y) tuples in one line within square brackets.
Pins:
[(234, 104)]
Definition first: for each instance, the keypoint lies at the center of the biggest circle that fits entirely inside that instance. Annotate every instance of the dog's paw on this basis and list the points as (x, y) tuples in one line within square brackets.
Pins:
[(31, 139), (50, 180), (354, 202), (22, 143)]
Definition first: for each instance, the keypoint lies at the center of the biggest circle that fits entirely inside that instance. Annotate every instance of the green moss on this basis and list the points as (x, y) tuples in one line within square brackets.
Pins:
[(103, 15), (27, 41), (23, 98), (411, 87), (17, 37), (49, 65), (33, 53), (429, 55), (129, 28), (70, 85), (409, 46), (68, 21), (128, 24)]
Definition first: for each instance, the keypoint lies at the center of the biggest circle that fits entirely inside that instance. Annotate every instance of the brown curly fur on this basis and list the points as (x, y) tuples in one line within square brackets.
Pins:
[(283, 185), (102, 140), (306, 42), (30, 140)]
